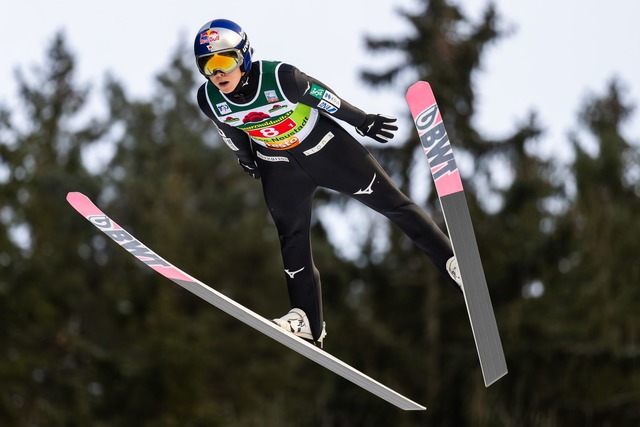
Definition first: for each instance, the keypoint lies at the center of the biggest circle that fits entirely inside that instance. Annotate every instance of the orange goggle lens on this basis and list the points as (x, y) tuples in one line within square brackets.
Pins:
[(225, 62)]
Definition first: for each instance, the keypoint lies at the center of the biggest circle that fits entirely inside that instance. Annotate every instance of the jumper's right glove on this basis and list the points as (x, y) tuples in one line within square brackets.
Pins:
[(378, 127), (250, 168)]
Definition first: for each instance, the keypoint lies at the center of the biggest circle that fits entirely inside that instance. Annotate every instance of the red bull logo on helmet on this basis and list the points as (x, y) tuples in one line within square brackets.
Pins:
[(209, 36)]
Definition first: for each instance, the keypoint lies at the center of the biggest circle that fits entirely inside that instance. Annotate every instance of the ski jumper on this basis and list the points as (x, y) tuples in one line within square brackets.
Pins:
[(284, 121)]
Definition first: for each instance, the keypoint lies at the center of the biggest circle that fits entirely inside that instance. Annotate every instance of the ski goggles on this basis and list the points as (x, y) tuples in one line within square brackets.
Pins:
[(225, 62)]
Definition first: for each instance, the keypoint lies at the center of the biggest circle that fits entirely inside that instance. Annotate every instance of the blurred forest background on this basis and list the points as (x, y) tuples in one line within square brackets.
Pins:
[(91, 337)]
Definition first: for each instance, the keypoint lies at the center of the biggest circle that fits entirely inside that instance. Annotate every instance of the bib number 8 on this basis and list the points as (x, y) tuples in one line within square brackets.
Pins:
[(269, 132)]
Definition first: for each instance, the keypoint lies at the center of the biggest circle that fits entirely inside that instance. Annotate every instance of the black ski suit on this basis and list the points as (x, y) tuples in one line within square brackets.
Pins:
[(329, 157)]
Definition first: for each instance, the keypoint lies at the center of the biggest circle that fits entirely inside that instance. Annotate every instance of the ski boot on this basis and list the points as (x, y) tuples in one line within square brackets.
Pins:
[(296, 322), (454, 271)]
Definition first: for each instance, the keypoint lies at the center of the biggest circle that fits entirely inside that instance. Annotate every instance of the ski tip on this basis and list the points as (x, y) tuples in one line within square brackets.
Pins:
[(81, 203), (74, 195), (419, 97), (418, 86)]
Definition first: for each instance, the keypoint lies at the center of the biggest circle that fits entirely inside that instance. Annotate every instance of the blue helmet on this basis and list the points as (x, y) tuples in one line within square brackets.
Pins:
[(222, 35)]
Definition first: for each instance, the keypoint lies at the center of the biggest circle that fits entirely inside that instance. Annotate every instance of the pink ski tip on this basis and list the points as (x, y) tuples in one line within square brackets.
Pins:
[(75, 196), (419, 96), (82, 204)]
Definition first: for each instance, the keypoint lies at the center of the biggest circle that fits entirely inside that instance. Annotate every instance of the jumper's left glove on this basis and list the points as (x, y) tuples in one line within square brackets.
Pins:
[(378, 127), (250, 168)]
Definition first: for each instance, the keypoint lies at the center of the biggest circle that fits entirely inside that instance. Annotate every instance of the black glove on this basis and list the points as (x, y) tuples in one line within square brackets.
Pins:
[(378, 127), (250, 168)]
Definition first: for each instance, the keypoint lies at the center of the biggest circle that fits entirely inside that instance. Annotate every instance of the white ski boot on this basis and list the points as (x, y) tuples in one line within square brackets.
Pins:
[(296, 322), (454, 271)]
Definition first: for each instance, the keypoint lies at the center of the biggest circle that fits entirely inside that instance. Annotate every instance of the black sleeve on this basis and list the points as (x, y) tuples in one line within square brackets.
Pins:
[(235, 139), (299, 87)]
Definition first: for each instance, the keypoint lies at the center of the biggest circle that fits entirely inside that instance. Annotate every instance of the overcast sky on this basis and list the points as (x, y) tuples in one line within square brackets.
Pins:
[(560, 51)]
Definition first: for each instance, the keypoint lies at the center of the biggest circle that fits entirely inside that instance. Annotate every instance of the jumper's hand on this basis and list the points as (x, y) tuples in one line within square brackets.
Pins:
[(378, 127), (250, 168)]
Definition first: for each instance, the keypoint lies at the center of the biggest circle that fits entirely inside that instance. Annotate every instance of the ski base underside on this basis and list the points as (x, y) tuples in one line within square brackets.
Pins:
[(448, 184), (476, 292)]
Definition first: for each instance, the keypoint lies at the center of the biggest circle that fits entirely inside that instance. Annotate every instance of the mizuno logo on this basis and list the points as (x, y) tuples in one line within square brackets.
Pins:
[(369, 189), (293, 273), (307, 89)]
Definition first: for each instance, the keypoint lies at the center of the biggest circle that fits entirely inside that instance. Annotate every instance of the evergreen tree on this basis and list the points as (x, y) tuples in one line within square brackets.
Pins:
[(43, 300), (509, 218), (557, 294), (584, 328), (446, 49)]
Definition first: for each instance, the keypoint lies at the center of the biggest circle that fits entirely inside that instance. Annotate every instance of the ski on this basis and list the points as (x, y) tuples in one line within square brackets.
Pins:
[(434, 139), (100, 220)]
